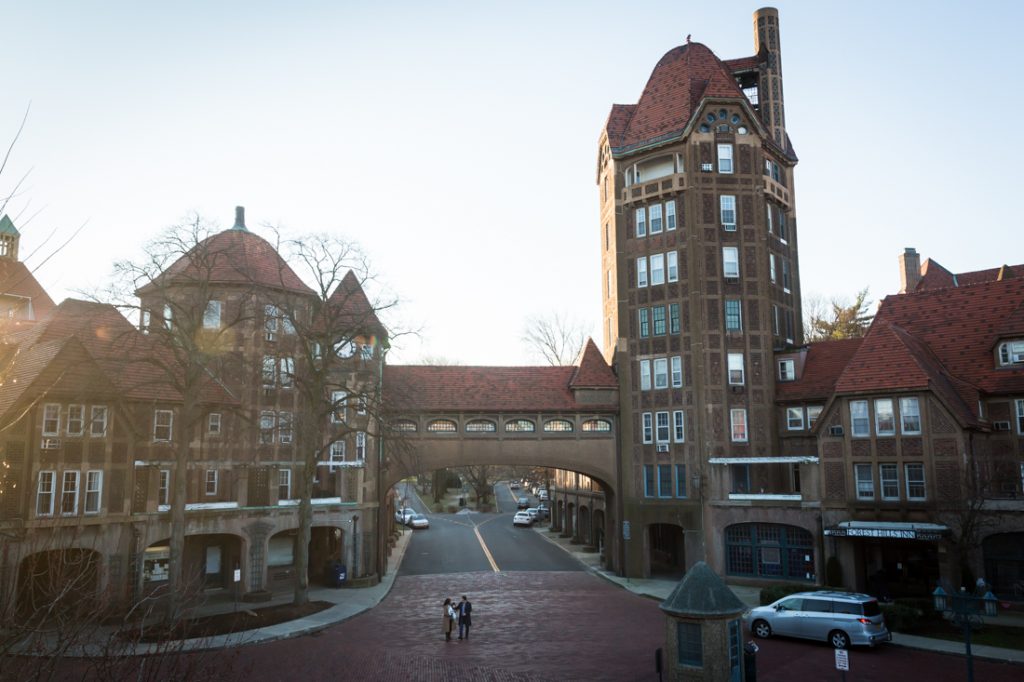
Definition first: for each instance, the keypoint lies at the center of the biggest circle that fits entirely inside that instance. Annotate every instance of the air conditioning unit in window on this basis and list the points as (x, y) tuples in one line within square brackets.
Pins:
[(1001, 426), (662, 447), (270, 336), (835, 430), (50, 444), (706, 168)]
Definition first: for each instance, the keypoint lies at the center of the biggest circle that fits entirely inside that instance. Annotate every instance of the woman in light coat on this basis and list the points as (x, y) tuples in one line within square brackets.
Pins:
[(449, 619)]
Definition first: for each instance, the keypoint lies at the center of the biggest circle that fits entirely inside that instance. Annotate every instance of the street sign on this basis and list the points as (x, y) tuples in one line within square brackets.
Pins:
[(238, 575), (625, 530), (842, 659)]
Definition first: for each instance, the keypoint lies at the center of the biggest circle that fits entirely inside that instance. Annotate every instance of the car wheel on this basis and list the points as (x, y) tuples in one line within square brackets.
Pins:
[(839, 639), (761, 629)]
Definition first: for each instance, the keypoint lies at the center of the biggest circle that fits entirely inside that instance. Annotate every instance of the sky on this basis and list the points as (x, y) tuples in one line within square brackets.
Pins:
[(456, 141)]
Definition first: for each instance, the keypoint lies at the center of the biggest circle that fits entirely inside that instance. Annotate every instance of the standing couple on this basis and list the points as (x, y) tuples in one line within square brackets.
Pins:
[(461, 614)]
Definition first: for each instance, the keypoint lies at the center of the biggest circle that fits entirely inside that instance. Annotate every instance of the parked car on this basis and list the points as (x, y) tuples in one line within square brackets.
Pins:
[(542, 494), (522, 518), (419, 521), (840, 618), (522, 503), (542, 511), (513, 485), (403, 515), (532, 511)]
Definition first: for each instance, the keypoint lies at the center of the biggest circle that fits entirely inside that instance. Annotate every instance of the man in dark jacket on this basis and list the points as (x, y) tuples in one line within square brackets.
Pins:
[(465, 609)]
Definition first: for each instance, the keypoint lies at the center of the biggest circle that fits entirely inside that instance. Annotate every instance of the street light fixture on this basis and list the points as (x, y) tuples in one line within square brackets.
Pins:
[(966, 611)]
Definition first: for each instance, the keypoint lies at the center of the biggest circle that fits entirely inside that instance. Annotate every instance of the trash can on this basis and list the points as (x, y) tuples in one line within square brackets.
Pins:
[(336, 574)]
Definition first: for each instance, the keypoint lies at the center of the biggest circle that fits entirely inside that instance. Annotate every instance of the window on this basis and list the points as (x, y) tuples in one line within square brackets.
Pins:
[(768, 220), (596, 426), (362, 404), (785, 275), (441, 426), (335, 454), (641, 222), (641, 271), (725, 158), (787, 370), (366, 351), (339, 410), (481, 426), (769, 550), (76, 419), (733, 315), (69, 493), (670, 215), (681, 480), (269, 370), (1020, 416), (738, 422), (664, 480), (520, 426), (284, 428), (889, 475), (657, 269), (782, 226), (673, 265), (284, 484), (736, 369), (658, 314), (677, 371), (813, 412), (51, 419), (727, 208), (910, 416), (771, 267), (649, 480), (268, 422), (211, 316), (914, 474), (885, 421), (655, 216), (98, 421), (730, 262), (679, 426), (673, 318), (168, 316), (558, 425), (795, 418), (213, 423), (690, 644), (361, 446), (211, 481), (647, 420), (163, 497), (865, 482), (775, 319), (1011, 352), (286, 372), (608, 277), (660, 373), (661, 431), (93, 491), (163, 425), (645, 375), (44, 494), (859, 425)]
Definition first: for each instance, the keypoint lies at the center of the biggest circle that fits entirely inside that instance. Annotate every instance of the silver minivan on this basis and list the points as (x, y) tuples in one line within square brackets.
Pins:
[(840, 618)]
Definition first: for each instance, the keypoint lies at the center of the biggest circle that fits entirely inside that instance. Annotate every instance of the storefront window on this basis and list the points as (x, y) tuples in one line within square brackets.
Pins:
[(769, 550)]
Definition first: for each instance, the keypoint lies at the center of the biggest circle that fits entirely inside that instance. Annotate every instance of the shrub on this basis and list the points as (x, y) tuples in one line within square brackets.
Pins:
[(901, 617), (773, 593)]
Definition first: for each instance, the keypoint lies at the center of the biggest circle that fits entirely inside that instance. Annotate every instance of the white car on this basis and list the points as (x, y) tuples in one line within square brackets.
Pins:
[(419, 521), (533, 512), (403, 515), (522, 518)]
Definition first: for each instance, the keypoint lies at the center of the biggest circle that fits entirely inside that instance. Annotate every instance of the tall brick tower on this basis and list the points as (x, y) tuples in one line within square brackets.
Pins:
[(700, 287)]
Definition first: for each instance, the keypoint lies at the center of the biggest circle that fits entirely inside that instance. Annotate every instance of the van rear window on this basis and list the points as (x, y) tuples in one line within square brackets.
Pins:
[(850, 607), (871, 608)]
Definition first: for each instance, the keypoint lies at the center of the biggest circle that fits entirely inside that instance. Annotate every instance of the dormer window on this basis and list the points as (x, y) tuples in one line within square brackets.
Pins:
[(1011, 352)]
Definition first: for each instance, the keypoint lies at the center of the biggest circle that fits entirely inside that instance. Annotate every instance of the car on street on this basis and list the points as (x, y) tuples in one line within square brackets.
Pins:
[(403, 515), (542, 494), (532, 511), (522, 518), (522, 503), (542, 511), (419, 521), (839, 618), (513, 485)]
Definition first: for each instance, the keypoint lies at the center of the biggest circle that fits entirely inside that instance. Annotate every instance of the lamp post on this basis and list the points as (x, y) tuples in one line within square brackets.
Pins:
[(966, 611)]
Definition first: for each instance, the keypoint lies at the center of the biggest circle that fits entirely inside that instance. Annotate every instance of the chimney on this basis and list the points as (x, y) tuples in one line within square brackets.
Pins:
[(910, 270), (240, 219), (768, 44)]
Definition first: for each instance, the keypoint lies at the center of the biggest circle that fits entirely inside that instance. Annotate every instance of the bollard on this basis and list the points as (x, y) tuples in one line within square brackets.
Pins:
[(750, 662)]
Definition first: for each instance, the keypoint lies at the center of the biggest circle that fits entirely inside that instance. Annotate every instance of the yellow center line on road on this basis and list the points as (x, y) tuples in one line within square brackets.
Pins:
[(487, 552)]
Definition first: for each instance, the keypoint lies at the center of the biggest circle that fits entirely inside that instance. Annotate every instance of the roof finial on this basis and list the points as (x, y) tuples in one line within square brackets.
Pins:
[(240, 219), (688, 38)]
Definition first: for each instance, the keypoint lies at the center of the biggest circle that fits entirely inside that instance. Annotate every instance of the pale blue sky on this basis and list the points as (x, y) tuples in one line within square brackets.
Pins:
[(456, 141)]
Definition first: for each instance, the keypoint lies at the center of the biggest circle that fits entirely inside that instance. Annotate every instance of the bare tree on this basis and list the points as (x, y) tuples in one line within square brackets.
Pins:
[(556, 338), (481, 478), (837, 319)]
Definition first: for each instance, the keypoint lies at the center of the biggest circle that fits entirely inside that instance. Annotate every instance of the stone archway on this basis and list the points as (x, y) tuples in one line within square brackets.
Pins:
[(584, 532)]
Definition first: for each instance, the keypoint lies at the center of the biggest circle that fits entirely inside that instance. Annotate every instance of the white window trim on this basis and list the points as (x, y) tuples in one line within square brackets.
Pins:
[(878, 418), (339, 407), (51, 491), (647, 427), (745, 437), (907, 483), (660, 371), (95, 419), (646, 381), (655, 208), (169, 425), (730, 256), (89, 490), (866, 419), (641, 221), (213, 423), (904, 413), (285, 427), (676, 369), (284, 479), (1020, 416), (212, 315), (64, 477), (727, 204), (725, 155), (361, 446), (47, 408), (214, 480), (857, 480), (662, 427), (679, 426), (672, 266), (791, 423), (657, 271), (730, 369), (670, 215), (80, 420), (787, 370), (882, 481), (164, 487), (641, 272), (268, 425)]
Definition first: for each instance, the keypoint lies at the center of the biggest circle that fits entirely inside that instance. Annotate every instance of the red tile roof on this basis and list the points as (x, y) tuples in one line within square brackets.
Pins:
[(683, 77), (17, 280), (934, 276), (743, 63), (234, 256), (593, 371), (481, 389), (825, 361), (352, 305)]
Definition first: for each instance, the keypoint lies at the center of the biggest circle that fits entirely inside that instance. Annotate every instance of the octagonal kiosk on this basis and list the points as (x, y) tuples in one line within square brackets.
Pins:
[(703, 629)]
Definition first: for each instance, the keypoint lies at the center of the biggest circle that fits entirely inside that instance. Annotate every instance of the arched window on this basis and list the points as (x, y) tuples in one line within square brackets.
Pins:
[(406, 425), (442, 426), (596, 425), (520, 426), (558, 425), (481, 426), (769, 550)]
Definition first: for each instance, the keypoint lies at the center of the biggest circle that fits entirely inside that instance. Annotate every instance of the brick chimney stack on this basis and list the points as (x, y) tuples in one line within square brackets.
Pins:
[(910, 270)]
